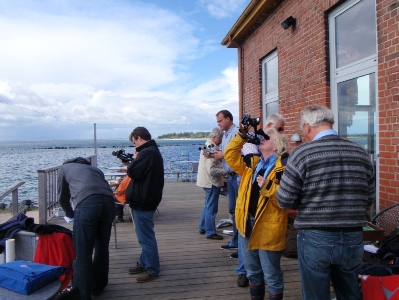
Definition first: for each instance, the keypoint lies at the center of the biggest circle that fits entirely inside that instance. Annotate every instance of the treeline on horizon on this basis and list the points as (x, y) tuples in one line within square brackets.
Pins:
[(185, 135)]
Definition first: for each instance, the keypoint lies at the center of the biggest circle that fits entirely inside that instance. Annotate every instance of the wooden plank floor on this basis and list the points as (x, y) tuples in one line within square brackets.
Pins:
[(192, 267)]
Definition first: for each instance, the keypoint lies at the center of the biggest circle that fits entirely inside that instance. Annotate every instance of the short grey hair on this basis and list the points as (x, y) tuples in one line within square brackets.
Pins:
[(274, 118), (216, 132), (315, 115)]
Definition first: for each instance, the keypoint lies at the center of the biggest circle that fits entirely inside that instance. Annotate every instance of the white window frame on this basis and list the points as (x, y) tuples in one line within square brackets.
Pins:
[(268, 98), (356, 69)]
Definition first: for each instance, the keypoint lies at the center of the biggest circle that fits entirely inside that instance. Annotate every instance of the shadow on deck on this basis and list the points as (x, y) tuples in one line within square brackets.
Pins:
[(192, 267)]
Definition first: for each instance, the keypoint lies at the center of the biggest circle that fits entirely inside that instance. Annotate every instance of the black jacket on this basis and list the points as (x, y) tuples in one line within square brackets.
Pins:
[(147, 174)]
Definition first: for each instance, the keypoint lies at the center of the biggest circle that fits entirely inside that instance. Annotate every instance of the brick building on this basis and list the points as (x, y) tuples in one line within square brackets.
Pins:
[(341, 54)]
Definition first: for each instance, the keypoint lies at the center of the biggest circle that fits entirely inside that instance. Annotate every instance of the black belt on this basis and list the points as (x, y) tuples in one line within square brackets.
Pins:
[(232, 174)]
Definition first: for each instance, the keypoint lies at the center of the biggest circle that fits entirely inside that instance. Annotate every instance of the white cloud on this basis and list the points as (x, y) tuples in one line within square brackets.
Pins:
[(63, 66), (223, 8)]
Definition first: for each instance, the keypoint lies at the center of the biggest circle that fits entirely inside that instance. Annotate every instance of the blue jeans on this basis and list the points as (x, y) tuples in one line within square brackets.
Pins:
[(144, 225), (262, 266), (92, 225), (240, 267), (232, 189), (208, 214), (324, 256)]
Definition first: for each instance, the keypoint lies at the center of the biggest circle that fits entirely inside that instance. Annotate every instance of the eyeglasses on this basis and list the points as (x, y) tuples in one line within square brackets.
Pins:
[(280, 129)]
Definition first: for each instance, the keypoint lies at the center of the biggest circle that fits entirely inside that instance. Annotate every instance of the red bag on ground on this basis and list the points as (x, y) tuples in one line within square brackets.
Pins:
[(380, 287)]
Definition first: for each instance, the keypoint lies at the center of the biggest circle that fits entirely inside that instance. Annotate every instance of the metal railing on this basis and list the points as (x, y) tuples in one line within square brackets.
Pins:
[(14, 191), (47, 184)]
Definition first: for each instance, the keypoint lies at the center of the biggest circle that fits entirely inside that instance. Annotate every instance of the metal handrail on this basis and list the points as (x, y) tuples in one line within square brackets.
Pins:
[(47, 185), (14, 191)]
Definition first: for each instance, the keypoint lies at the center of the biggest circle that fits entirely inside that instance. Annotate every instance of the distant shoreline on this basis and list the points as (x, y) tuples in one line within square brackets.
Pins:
[(182, 139)]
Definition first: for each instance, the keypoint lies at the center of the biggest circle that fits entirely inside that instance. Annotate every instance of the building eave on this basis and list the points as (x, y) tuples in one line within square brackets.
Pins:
[(248, 20)]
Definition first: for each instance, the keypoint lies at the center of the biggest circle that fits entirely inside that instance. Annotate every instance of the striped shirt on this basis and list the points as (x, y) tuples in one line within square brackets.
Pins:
[(330, 182)]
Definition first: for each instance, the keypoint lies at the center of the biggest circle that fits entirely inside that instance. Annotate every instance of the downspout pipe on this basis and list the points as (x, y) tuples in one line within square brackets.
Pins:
[(240, 76)]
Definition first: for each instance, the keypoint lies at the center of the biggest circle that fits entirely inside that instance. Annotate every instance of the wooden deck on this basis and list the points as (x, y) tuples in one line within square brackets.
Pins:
[(192, 267)]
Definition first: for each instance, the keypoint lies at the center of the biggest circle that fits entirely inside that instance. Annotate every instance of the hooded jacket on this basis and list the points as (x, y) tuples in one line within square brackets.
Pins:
[(147, 178), (270, 225), (78, 179)]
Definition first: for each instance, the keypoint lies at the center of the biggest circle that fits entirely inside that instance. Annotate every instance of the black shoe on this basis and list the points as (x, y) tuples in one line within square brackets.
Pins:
[(242, 280), (202, 232), (234, 255), (229, 246), (119, 220), (215, 237), (97, 292)]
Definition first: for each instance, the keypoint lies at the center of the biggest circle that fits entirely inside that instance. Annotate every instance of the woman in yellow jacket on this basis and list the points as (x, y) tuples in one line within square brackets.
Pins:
[(261, 223)]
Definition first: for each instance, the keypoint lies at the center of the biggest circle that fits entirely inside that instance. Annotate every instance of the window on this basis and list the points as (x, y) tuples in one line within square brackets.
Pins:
[(270, 85), (353, 64), (353, 48)]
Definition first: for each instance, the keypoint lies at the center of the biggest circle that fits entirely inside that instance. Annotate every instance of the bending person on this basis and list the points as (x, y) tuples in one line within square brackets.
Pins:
[(85, 186)]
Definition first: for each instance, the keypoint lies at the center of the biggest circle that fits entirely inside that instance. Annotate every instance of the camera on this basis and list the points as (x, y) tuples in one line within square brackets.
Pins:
[(124, 157), (248, 121), (254, 137), (208, 149)]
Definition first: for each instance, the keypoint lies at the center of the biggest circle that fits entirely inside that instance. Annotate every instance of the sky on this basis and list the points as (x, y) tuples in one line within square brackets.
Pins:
[(66, 65)]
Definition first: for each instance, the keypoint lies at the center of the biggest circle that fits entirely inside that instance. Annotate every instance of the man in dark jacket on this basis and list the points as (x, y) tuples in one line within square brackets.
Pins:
[(93, 210), (144, 195)]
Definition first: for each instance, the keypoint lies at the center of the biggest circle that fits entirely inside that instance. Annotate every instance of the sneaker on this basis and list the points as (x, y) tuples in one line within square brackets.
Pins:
[(137, 269), (242, 280), (215, 237), (228, 246), (119, 219), (202, 231), (234, 255), (145, 277)]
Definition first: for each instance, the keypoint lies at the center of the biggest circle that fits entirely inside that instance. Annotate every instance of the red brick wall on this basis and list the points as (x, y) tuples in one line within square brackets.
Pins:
[(303, 60), (388, 100)]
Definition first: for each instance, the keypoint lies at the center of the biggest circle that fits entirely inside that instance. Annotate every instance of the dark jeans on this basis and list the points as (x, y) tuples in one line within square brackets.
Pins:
[(325, 256), (93, 219), (119, 209)]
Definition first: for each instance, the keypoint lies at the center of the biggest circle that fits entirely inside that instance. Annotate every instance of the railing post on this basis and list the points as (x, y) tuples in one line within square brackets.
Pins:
[(14, 202), (42, 187)]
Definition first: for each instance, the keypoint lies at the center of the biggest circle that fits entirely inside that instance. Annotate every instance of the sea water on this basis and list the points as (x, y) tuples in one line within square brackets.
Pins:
[(20, 160)]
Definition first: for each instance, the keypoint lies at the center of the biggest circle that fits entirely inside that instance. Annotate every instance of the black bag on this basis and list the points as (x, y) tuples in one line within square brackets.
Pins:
[(388, 266), (390, 244), (291, 250)]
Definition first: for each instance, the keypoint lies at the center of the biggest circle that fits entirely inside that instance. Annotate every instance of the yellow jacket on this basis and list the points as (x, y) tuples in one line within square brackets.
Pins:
[(270, 221)]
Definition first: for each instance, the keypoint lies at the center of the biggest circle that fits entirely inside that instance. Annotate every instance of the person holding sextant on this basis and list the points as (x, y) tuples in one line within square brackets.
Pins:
[(261, 223)]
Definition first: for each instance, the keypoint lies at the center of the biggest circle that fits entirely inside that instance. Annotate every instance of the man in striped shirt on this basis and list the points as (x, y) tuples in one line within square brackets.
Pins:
[(330, 181)]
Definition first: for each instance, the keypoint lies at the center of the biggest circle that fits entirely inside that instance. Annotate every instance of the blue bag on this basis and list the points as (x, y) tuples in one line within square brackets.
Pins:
[(26, 277)]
